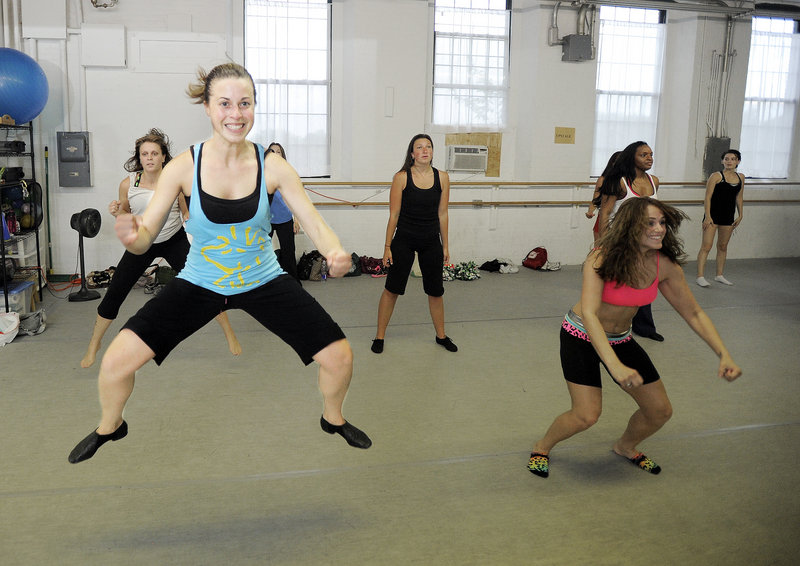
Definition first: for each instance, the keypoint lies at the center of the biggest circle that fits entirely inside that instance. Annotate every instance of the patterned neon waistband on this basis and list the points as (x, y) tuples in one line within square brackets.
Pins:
[(574, 325)]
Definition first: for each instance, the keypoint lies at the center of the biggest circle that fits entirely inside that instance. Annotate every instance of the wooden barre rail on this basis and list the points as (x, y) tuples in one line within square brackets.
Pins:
[(311, 182), (526, 203), (532, 203)]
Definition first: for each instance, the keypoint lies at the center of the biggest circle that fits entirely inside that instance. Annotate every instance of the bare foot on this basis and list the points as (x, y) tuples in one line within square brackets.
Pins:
[(89, 358), (234, 346), (625, 453)]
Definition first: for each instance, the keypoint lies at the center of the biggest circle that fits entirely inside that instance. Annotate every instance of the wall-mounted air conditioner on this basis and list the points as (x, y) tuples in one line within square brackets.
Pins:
[(472, 158)]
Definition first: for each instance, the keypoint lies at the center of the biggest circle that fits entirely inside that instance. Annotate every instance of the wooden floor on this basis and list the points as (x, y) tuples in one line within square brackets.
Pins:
[(225, 462)]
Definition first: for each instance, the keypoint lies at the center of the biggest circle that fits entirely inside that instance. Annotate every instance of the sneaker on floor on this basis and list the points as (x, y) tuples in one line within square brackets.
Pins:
[(721, 279), (703, 282)]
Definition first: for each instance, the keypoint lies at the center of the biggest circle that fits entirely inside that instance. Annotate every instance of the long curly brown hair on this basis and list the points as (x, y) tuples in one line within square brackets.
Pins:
[(620, 244), (155, 136)]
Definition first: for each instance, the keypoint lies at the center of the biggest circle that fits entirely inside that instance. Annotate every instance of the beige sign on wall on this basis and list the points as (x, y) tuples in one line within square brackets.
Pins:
[(565, 135)]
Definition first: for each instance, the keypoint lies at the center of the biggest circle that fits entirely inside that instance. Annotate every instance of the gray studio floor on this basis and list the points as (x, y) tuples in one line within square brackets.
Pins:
[(225, 462)]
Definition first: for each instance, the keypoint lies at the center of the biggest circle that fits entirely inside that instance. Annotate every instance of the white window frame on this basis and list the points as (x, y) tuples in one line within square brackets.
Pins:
[(470, 64), (285, 55), (771, 98), (630, 67)]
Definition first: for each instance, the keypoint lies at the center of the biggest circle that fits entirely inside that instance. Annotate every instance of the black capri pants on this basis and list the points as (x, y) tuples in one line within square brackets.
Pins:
[(282, 306), (132, 266), (431, 261)]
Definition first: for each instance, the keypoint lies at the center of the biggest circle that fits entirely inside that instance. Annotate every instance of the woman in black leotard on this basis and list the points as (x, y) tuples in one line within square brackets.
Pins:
[(724, 194)]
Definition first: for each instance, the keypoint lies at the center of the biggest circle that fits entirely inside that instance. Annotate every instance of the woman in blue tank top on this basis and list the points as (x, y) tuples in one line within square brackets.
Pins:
[(231, 264)]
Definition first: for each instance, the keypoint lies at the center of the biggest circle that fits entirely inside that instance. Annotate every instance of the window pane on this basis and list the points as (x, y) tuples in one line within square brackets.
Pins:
[(287, 50), (771, 98), (629, 67), (470, 62)]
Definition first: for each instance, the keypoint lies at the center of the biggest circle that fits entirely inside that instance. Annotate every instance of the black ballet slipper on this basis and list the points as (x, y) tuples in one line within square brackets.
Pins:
[(89, 445), (354, 437), (447, 344), (377, 346)]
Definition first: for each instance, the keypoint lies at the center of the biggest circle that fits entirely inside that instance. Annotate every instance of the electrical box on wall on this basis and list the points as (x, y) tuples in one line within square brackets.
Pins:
[(576, 47), (73, 159)]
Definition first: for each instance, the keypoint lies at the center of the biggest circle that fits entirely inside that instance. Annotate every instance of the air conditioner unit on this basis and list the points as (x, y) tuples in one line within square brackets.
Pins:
[(467, 158)]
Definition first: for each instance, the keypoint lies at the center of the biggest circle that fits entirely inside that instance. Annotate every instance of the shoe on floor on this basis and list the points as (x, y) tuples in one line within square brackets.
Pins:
[(539, 465), (354, 437), (721, 279), (89, 445), (645, 463), (377, 346), (703, 282), (447, 344)]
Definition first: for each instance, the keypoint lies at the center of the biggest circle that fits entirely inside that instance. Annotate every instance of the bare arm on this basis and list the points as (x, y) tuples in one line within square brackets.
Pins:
[(595, 194), (138, 232), (395, 201), (282, 176), (710, 184), (121, 205), (444, 202), (739, 202), (676, 291), (606, 207)]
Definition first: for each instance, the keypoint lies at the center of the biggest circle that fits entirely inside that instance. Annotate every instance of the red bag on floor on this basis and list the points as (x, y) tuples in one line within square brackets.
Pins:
[(536, 258)]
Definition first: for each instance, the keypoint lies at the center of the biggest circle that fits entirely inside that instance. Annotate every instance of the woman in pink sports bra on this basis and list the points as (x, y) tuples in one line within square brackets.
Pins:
[(639, 255)]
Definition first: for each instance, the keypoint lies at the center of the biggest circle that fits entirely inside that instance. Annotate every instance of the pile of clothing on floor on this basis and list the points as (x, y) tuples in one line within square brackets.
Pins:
[(500, 266)]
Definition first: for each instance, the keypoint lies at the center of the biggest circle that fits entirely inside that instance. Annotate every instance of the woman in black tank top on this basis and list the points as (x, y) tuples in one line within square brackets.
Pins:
[(417, 226), (724, 192)]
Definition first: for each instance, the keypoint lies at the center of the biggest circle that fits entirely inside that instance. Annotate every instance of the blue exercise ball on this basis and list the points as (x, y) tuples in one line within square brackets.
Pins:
[(23, 86)]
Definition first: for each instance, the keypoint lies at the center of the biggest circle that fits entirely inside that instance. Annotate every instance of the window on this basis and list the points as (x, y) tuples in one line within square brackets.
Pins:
[(629, 62), (287, 50), (771, 97), (470, 62)]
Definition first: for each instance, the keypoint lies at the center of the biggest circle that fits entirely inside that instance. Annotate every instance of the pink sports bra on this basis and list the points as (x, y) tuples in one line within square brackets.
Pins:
[(627, 296)]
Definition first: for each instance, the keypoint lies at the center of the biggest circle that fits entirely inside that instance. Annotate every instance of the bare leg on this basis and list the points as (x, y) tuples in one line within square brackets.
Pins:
[(436, 306), (654, 411), (335, 371), (725, 233), (230, 335), (385, 310), (100, 326), (705, 248), (587, 404), (126, 354)]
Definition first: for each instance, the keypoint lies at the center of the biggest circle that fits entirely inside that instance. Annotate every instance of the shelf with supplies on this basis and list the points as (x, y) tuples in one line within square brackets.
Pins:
[(21, 207)]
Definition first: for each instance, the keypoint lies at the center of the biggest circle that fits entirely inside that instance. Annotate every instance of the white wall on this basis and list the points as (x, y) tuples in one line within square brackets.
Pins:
[(385, 44)]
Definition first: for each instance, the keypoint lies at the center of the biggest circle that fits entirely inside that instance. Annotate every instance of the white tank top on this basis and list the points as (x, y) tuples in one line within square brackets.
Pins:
[(630, 193), (139, 198)]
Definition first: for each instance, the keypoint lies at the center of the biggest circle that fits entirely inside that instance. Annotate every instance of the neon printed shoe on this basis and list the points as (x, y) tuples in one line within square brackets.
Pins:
[(645, 463), (539, 464)]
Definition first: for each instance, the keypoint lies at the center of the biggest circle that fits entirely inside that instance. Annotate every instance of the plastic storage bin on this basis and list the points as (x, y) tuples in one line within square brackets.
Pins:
[(20, 294)]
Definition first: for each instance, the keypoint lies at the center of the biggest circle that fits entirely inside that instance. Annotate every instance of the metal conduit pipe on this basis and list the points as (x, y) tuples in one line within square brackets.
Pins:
[(552, 31)]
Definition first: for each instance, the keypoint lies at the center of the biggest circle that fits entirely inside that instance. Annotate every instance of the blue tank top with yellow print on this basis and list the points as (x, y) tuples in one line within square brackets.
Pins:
[(230, 258)]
